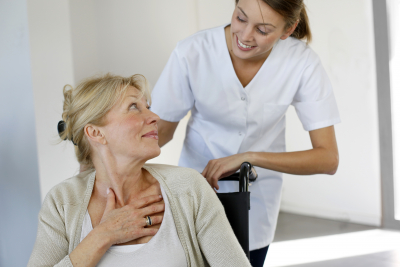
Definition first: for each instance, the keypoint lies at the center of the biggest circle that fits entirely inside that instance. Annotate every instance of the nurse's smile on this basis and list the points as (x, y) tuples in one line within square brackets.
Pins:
[(243, 46)]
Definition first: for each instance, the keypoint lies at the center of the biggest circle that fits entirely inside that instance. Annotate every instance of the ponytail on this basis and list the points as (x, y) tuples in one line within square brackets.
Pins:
[(303, 30)]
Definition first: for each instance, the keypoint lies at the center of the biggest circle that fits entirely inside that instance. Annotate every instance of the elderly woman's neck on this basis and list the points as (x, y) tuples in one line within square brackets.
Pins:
[(125, 179)]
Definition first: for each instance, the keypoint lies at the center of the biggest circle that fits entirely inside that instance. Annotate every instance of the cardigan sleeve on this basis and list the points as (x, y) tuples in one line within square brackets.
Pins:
[(51, 246), (214, 233)]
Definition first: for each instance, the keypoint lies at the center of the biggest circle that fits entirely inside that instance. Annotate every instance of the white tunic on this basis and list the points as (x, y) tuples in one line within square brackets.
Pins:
[(164, 249), (228, 118)]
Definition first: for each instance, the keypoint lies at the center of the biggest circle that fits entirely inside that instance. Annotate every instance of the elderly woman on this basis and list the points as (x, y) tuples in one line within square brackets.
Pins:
[(123, 212)]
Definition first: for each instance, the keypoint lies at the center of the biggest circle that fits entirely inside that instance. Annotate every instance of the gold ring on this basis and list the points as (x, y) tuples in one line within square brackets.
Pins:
[(148, 221)]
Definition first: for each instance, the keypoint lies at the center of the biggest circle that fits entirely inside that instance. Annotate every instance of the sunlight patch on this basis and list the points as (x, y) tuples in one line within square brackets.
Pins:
[(316, 249)]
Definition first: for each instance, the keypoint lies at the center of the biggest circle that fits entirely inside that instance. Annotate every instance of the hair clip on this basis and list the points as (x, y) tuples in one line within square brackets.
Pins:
[(61, 126)]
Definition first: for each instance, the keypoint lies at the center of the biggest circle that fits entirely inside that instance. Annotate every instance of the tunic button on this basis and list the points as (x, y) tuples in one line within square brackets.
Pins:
[(240, 133), (243, 98)]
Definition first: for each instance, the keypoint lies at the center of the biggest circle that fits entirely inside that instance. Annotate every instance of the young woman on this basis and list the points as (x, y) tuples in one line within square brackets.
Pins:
[(238, 80)]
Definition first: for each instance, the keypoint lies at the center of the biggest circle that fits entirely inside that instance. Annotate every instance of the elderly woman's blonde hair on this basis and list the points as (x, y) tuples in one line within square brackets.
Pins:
[(89, 102)]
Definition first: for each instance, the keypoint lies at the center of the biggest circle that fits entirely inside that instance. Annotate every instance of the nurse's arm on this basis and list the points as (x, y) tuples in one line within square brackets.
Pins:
[(323, 158), (166, 130)]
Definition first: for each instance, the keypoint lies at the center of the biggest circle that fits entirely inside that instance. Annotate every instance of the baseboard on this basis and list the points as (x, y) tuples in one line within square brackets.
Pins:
[(336, 215)]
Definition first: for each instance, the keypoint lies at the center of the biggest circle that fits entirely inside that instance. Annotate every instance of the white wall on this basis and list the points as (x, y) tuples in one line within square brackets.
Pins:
[(51, 61), (213, 13), (128, 37), (343, 38), (83, 28)]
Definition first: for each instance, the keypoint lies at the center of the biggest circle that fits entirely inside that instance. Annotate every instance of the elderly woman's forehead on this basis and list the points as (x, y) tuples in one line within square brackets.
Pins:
[(133, 92)]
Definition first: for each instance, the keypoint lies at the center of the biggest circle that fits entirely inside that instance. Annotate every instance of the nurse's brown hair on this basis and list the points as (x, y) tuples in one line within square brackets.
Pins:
[(292, 10)]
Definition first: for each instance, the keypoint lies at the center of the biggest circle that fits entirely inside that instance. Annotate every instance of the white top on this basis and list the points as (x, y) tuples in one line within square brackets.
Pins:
[(164, 249), (228, 119)]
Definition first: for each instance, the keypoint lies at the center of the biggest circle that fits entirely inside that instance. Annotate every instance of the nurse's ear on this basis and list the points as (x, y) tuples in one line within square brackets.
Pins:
[(289, 31)]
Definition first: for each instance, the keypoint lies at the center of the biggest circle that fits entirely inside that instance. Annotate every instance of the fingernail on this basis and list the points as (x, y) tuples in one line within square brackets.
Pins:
[(108, 190), (160, 196)]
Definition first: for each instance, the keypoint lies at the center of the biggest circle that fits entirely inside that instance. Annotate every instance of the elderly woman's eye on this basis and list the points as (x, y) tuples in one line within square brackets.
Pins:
[(133, 106)]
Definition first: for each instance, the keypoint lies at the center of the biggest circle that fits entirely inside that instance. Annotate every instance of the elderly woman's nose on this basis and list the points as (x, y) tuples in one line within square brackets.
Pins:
[(152, 118)]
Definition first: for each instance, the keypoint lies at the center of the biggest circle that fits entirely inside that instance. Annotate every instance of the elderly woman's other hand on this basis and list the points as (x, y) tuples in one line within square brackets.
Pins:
[(121, 225)]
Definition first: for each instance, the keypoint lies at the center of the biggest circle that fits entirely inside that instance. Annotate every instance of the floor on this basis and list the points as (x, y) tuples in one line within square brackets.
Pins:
[(382, 259), (302, 241)]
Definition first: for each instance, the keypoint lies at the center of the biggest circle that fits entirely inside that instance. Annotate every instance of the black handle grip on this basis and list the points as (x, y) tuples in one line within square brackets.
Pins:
[(235, 177), (244, 177)]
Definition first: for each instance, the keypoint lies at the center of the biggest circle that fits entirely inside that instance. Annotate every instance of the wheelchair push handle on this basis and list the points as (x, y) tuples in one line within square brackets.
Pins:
[(246, 174), (252, 174), (244, 177)]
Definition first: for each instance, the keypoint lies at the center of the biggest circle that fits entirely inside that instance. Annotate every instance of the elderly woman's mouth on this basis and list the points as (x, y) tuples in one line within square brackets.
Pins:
[(152, 134)]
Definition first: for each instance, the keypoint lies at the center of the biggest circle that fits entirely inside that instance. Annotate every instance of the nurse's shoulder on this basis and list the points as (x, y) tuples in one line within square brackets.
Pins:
[(201, 42), (297, 52)]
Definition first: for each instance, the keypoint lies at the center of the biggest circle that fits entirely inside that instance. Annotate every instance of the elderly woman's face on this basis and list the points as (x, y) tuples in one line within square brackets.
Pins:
[(131, 128)]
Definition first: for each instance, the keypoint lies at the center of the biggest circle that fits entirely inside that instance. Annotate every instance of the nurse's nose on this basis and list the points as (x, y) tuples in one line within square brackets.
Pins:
[(247, 34)]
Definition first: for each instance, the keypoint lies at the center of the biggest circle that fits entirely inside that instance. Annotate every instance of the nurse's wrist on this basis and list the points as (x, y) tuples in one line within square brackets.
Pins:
[(251, 157)]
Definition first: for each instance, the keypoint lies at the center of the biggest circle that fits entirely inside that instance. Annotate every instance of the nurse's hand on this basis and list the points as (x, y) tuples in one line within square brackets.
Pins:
[(217, 169)]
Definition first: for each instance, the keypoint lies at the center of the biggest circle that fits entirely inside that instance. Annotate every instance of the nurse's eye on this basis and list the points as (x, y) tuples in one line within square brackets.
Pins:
[(261, 32), (241, 20)]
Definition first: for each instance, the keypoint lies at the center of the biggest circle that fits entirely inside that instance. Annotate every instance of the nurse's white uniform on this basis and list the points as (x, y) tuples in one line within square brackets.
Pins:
[(228, 118)]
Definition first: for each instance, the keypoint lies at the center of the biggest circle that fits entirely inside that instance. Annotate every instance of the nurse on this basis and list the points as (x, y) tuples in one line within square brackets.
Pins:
[(238, 81)]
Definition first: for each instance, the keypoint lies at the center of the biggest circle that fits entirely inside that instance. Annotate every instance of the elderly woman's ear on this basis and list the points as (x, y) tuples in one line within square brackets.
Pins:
[(95, 135)]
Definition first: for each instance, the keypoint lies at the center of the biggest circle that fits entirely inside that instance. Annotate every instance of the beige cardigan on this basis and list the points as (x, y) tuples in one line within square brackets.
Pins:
[(203, 229)]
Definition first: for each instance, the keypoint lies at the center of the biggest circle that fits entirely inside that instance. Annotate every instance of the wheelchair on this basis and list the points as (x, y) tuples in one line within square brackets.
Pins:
[(237, 205)]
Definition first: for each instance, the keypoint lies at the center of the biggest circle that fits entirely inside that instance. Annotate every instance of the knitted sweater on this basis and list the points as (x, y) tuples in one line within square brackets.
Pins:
[(203, 229)]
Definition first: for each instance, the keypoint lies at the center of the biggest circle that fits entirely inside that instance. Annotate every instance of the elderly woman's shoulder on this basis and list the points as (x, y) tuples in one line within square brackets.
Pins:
[(177, 177), (71, 190)]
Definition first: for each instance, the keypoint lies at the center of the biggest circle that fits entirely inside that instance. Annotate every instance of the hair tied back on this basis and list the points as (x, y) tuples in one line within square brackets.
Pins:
[(61, 127)]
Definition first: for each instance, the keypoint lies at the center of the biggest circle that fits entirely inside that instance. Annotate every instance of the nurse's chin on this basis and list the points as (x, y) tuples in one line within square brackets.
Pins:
[(244, 54)]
